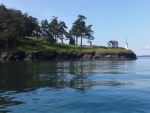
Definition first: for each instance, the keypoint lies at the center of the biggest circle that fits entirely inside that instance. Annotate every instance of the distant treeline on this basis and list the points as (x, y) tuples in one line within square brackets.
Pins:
[(15, 25)]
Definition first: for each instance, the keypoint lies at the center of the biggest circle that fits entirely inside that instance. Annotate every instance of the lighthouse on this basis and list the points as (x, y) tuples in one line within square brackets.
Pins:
[(126, 45)]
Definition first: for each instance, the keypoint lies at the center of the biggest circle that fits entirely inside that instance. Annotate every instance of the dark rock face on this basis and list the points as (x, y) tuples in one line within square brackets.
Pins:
[(29, 57), (4, 56), (19, 55), (11, 56), (77, 55), (98, 56), (66, 56), (127, 56), (39, 56), (16, 56), (44, 56), (62, 56), (87, 56)]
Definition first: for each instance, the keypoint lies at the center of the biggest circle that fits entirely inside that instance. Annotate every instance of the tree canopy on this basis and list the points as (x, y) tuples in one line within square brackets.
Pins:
[(15, 25)]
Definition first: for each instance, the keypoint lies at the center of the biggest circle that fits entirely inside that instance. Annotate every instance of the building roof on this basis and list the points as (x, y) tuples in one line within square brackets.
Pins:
[(113, 41)]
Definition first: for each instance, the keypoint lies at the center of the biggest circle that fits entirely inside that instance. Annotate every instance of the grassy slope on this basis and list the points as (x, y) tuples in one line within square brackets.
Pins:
[(32, 45)]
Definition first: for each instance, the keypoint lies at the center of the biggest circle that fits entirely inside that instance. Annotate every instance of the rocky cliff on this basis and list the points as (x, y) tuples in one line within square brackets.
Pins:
[(20, 55)]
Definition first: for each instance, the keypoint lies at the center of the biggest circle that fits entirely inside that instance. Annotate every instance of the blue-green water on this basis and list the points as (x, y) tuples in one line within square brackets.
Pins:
[(75, 86)]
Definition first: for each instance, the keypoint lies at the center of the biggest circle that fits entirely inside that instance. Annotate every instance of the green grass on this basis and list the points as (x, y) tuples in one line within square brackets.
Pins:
[(32, 45)]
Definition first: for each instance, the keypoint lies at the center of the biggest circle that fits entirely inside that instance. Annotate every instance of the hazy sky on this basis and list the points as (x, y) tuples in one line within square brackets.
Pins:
[(111, 19)]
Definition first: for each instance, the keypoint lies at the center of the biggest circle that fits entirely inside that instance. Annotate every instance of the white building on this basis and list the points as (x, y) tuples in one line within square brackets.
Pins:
[(112, 44)]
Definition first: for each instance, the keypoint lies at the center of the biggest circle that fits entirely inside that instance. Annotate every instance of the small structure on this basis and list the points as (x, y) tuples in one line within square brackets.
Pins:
[(43, 33), (126, 45), (89, 43), (112, 44)]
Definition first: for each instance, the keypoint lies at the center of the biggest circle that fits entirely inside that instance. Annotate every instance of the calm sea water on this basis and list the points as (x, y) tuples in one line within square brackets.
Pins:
[(75, 86)]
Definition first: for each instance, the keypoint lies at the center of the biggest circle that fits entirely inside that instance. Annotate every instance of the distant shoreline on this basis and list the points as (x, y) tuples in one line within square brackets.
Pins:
[(143, 56)]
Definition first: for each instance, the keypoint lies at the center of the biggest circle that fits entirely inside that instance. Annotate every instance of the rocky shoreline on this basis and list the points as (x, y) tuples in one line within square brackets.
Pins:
[(20, 55)]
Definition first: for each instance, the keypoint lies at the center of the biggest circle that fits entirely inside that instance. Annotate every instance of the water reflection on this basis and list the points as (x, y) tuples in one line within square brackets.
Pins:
[(18, 77), (57, 74)]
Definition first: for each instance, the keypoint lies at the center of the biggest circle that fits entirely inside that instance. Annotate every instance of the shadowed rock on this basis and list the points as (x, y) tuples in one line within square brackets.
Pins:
[(4, 56), (87, 56), (67, 56)]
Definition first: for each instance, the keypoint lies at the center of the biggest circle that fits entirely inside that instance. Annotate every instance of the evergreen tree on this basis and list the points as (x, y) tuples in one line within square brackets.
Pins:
[(62, 30)]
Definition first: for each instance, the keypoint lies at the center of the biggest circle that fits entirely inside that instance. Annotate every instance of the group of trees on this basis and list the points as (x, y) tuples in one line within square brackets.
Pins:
[(55, 29), (79, 29), (14, 25)]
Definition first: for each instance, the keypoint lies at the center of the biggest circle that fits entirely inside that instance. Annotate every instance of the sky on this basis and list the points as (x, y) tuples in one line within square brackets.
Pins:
[(111, 19)]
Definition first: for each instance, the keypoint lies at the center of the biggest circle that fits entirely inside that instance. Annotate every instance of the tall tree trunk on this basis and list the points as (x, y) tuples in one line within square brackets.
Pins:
[(81, 41), (7, 44), (15, 43), (56, 38), (25, 38), (62, 40), (76, 40)]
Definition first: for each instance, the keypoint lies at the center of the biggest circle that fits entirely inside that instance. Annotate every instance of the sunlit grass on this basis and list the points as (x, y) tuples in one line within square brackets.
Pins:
[(41, 45)]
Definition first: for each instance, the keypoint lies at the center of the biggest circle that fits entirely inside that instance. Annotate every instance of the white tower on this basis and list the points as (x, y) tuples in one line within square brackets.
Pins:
[(126, 46)]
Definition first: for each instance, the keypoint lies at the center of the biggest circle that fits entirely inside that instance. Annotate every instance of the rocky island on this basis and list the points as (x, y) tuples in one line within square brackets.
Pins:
[(41, 50)]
